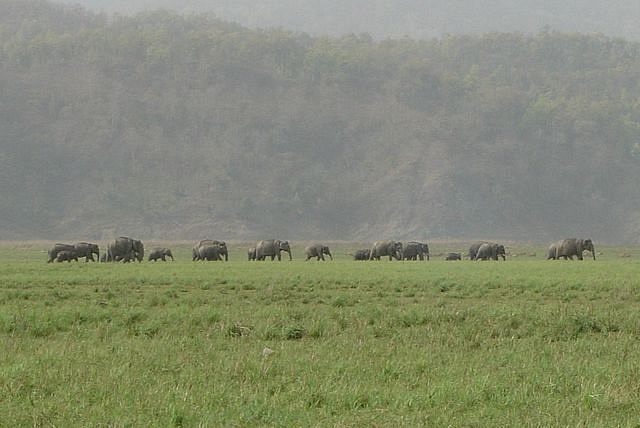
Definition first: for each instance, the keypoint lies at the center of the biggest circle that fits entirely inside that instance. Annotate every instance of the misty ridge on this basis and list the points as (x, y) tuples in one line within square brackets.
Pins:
[(405, 18), (182, 125)]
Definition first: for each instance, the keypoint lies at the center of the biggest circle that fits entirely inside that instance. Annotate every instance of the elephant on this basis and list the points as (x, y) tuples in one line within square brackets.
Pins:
[(207, 242), (251, 253), (210, 252), (453, 256), (82, 249), (160, 253), (487, 251), (567, 248), (87, 250), (415, 250), (552, 251), (386, 248), (66, 256), (473, 249), (499, 250), (272, 248), (317, 251), (125, 249), (53, 252), (362, 254)]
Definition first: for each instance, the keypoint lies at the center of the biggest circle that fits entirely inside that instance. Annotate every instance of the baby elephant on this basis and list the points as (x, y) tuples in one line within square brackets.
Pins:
[(318, 251), (453, 256), (66, 256), (160, 253), (362, 254)]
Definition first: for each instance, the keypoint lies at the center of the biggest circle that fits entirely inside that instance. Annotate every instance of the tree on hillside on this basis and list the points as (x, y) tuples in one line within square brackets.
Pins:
[(177, 126)]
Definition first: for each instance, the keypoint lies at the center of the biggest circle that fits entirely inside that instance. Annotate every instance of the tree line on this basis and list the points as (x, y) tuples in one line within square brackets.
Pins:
[(175, 125)]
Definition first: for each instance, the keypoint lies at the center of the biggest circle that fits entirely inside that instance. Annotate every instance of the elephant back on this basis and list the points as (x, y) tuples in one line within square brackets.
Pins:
[(62, 247)]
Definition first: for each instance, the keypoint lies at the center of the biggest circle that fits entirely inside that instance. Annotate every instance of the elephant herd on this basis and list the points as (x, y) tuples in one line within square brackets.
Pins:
[(480, 250), (567, 248), (125, 249), (121, 249)]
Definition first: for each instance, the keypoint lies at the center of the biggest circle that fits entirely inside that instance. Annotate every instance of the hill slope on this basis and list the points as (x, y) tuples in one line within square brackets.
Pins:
[(169, 126), (413, 18)]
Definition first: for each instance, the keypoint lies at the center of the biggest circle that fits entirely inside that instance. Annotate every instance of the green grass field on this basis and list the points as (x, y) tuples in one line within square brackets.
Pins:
[(526, 342)]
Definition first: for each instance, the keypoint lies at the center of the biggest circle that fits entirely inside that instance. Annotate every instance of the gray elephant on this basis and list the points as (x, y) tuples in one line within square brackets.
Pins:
[(499, 250), (251, 253), (473, 249), (160, 253), (87, 250), (66, 256), (415, 250), (487, 251), (362, 254), (125, 249), (58, 247), (208, 242), (210, 252), (552, 251), (453, 256), (386, 248), (317, 251), (567, 248), (272, 248)]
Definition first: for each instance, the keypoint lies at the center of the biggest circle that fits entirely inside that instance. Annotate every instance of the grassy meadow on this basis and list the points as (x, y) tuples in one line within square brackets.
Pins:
[(527, 342)]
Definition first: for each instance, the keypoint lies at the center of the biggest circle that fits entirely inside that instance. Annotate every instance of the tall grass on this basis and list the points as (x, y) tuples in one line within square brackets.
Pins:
[(522, 343)]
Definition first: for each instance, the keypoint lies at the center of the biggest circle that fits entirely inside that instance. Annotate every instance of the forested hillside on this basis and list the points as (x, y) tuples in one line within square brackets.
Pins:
[(168, 126), (412, 18)]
